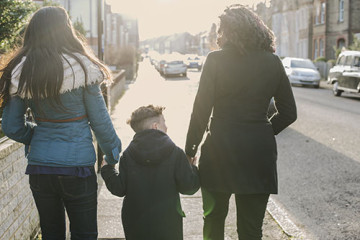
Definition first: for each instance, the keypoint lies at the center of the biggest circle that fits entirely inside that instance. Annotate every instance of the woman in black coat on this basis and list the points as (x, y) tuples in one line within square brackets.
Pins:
[(239, 153)]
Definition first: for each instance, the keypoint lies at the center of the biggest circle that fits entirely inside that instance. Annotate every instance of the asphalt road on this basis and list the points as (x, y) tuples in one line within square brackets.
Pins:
[(319, 165)]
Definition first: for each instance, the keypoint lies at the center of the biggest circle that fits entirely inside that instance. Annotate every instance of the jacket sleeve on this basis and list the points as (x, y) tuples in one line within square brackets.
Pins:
[(115, 180), (14, 124), (284, 102), (186, 175), (101, 124), (203, 105)]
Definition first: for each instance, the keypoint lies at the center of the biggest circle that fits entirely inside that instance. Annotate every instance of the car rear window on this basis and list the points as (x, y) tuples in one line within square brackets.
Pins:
[(302, 64), (175, 62), (357, 62)]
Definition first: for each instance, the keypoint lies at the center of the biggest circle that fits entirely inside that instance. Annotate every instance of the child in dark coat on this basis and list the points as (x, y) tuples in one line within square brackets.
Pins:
[(152, 173)]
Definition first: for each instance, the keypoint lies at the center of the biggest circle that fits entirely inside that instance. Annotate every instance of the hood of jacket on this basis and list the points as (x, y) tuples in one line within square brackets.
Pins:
[(74, 76), (150, 147)]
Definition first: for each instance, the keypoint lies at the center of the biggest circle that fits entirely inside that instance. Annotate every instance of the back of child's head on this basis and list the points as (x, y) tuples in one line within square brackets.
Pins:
[(143, 117)]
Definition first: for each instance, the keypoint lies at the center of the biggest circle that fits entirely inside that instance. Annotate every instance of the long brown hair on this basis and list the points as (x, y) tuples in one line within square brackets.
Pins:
[(245, 30), (48, 36)]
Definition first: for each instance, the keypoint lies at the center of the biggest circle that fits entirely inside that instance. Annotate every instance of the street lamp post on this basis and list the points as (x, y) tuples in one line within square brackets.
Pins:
[(100, 7)]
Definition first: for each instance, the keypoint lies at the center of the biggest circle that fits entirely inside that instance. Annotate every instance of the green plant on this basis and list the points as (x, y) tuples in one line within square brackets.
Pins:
[(79, 27), (120, 56), (356, 44), (13, 17), (332, 61), (320, 59), (212, 37), (49, 3)]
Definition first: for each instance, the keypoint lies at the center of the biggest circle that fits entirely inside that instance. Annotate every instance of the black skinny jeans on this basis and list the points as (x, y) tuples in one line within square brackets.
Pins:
[(54, 194)]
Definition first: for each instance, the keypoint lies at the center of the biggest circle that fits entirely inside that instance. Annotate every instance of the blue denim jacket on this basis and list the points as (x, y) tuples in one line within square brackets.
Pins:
[(64, 144)]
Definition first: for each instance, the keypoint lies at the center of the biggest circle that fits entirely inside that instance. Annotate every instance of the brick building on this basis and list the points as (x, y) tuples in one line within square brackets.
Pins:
[(290, 21), (311, 28), (335, 23)]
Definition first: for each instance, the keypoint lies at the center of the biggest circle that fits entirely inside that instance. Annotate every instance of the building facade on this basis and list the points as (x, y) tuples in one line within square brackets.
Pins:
[(103, 27), (311, 28), (290, 21), (342, 21)]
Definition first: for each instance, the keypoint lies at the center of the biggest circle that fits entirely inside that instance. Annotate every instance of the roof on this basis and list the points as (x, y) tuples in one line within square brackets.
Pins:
[(299, 59), (350, 53)]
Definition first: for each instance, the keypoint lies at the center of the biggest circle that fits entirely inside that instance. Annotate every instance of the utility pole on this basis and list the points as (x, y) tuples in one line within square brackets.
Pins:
[(100, 8), (100, 28)]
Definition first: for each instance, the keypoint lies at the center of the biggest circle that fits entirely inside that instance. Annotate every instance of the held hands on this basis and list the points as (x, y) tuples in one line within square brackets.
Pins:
[(104, 163), (192, 160)]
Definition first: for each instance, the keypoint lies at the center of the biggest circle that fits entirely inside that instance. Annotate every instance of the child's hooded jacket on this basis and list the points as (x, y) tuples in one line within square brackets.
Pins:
[(152, 172)]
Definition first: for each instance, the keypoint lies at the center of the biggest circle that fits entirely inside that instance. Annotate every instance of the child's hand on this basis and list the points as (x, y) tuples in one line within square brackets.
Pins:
[(104, 163)]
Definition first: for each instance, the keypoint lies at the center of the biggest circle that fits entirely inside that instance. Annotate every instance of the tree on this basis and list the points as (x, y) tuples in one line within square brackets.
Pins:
[(212, 37), (46, 3), (14, 15), (79, 27), (356, 44)]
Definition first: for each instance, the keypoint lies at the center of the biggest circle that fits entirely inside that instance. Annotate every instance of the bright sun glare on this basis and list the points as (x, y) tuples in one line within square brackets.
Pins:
[(166, 17)]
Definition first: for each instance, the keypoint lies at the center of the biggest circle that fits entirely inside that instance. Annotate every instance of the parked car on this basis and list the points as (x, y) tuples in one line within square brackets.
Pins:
[(301, 71), (159, 62), (153, 56), (174, 66), (193, 61), (345, 75)]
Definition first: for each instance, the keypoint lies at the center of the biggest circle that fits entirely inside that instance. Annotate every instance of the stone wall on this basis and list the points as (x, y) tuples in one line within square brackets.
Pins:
[(117, 88), (18, 213)]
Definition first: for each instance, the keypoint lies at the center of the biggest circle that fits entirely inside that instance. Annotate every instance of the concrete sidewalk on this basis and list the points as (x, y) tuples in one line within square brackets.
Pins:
[(277, 225), (110, 227)]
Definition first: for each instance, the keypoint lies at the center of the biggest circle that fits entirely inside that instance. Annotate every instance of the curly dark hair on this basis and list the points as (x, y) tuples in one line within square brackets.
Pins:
[(245, 30), (140, 117)]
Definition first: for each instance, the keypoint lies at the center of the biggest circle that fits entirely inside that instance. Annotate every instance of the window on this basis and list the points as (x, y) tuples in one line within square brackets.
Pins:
[(341, 43), (302, 64), (315, 49), (317, 15), (341, 60), (341, 10), (357, 62), (349, 60), (321, 46), (322, 12)]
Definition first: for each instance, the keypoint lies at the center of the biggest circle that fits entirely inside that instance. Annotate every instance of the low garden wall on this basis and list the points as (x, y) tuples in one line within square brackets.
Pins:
[(18, 215)]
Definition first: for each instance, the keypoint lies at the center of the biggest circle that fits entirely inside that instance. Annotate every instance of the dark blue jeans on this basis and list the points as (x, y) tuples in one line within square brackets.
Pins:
[(54, 194), (250, 212)]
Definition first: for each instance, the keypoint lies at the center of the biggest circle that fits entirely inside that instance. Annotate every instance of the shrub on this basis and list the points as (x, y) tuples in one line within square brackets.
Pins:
[(332, 61), (14, 15), (120, 56), (320, 59)]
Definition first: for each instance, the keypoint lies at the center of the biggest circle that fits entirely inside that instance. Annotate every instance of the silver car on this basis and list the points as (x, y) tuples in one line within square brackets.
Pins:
[(173, 65), (301, 71)]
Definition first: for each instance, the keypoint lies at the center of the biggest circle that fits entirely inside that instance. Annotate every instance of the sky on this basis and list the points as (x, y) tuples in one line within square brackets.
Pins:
[(166, 17)]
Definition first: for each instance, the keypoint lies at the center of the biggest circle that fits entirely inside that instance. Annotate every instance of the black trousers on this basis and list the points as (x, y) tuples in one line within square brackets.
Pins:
[(250, 210), (53, 194)]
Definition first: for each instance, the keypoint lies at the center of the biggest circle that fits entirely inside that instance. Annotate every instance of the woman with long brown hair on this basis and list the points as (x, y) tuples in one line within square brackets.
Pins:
[(239, 154), (55, 75)]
